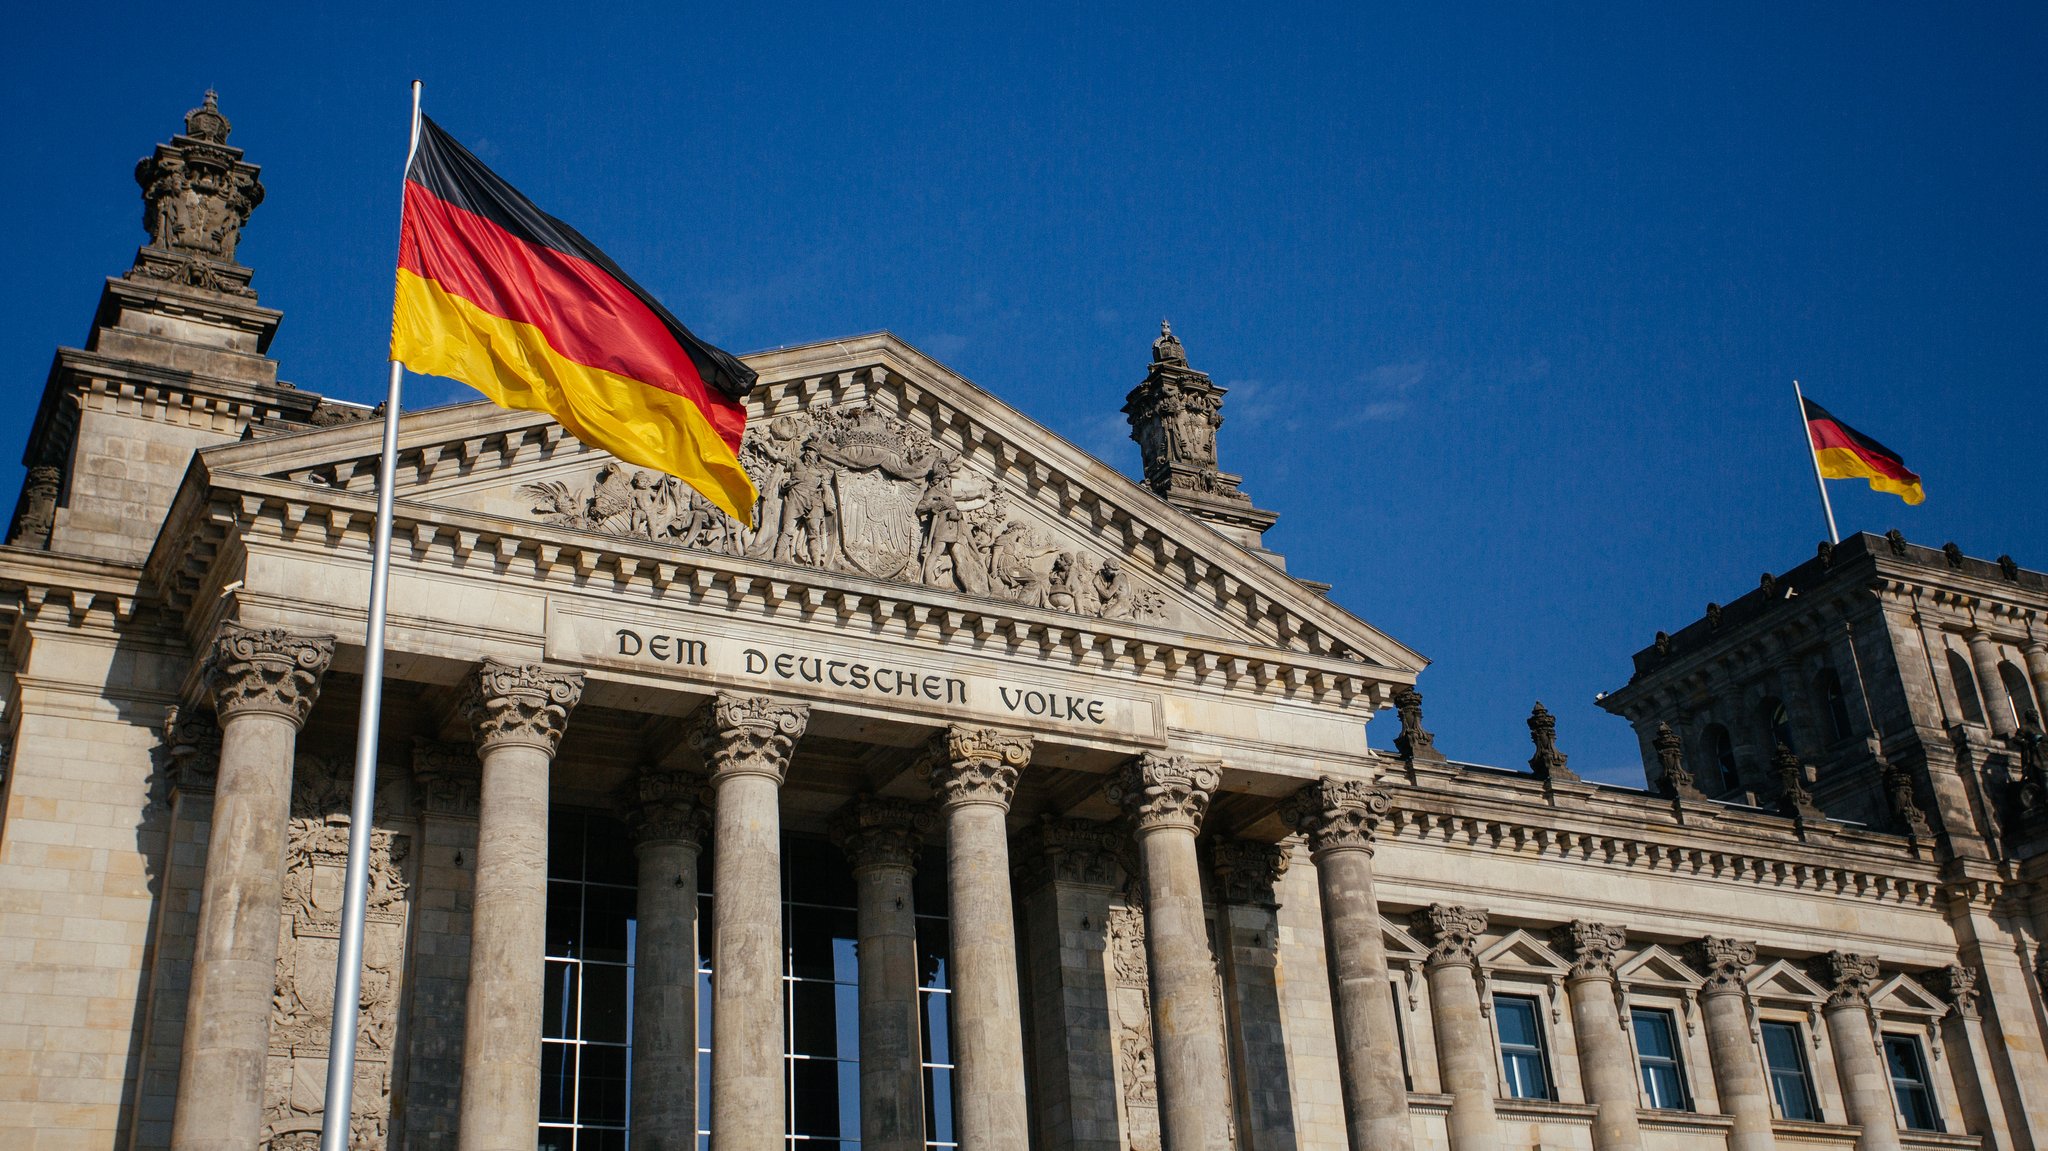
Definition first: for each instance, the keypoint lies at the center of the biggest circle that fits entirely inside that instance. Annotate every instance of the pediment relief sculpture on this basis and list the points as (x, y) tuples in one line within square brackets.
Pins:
[(855, 490)]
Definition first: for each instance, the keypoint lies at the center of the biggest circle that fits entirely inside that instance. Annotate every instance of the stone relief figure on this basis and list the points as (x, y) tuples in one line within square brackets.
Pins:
[(857, 490)]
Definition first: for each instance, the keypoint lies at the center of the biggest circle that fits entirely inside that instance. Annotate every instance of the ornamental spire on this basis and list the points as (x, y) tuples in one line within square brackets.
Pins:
[(197, 193), (1174, 416)]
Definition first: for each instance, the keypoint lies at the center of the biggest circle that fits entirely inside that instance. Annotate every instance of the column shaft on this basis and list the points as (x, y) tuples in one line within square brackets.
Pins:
[(1606, 1064), (507, 940), (1998, 704), (881, 838), (2036, 656), (1194, 1082), (1065, 890), (974, 773), (1738, 1070), (1464, 1045), (665, 964), (1866, 1086), (264, 684)]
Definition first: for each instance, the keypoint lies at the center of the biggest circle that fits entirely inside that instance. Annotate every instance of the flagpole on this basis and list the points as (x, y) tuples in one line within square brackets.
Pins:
[(348, 965), (1813, 457)]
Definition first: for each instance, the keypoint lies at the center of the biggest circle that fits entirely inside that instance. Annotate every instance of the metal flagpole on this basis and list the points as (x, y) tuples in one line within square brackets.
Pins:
[(1813, 457), (348, 966)]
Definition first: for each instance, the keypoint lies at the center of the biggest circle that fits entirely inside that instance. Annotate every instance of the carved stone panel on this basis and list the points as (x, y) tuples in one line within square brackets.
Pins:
[(302, 1003), (859, 491), (1131, 1015)]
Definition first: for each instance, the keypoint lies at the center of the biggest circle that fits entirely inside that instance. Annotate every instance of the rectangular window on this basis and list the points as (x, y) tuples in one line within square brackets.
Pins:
[(1791, 1083), (1401, 1034), (1525, 1072), (1910, 1084), (1657, 1055), (587, 993)]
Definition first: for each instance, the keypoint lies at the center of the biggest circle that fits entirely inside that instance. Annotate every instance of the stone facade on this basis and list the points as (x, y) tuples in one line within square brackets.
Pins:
[(1094, 765)]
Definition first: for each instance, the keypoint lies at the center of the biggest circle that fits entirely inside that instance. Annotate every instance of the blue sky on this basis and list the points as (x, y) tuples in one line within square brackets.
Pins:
[(1509, 297)]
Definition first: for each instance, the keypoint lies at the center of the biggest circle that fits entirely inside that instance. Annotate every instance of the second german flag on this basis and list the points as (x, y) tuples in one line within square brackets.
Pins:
[(498, 294)]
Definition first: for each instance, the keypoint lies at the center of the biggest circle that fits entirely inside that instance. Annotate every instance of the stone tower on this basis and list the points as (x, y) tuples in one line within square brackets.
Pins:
[(175, 361), (1174, 416)]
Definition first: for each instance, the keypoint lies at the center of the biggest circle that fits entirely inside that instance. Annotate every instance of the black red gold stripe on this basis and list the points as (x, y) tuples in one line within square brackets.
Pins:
[(1847, 454), (498, 294)]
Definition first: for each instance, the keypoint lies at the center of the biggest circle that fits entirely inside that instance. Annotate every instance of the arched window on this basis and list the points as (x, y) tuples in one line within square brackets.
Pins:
[(2016, 688), (1777, 722), (1718, 774), (1827, 692), (1966, 687)]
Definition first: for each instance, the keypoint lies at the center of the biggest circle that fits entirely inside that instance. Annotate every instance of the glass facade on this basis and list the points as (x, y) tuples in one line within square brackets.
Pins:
[(1910, 1085), (1657, 1056), (1791, 1083), (587, 1006), (1525, 1072)]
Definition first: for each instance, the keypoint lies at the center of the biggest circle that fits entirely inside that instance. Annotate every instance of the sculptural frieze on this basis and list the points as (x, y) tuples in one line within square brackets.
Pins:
[(859, 491)]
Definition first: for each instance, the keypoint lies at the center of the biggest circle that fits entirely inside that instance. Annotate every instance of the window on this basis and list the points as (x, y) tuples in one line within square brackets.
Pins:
[(1791, 1083), (1778, 722), (587, 1003), (1525, 1073), (1401, 1034), (1827, 689), (2016, 689), (1966, 687), (1657, 1055), (935, 999), (1909, 1083), (1721, 776)]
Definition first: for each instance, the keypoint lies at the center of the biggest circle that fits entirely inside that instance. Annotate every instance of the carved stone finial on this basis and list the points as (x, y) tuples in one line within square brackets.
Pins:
[(267, 670), (1337, 814), (974, 765), (1166, 349), (881, 833), (1713, 616), (446, 778), (1415, 742), (670, 808), (1905, 803), (1548, 762), (1768, 585), (1248, 873), (1848, 977), (36, 514), (520, 705), (749, 734), (197, 193), (1723, 962), (1958, 985), (1795, 799), (2009, 568), (1662, 643), (1674, 779), (1826, 552), (1451, 932), (1593, 948), (1161, 791), (1174, 416), (1069, 850), (1953, 554), (1897, 540), (192, 745)]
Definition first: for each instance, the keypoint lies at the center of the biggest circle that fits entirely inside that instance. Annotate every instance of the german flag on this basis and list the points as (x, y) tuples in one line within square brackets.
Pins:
[(498, 294), (1844, 453)]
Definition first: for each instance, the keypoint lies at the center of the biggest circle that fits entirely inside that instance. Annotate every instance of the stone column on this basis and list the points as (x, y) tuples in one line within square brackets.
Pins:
[(1607, 1062), (263, 684), (746, 741), (1866, 1084), (2036, 655), (670, 826), (518, 712), (1340, 818), (1248, 939), (1998, 704), (1731, 1047), (1464, 1046), (973, 771), (1067, 870), (1167, 796), (1976, 1079), (881, 837)]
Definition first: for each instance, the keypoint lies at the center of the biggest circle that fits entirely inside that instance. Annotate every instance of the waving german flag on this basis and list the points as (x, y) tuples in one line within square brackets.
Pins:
[(1847, 454), (498, 294)]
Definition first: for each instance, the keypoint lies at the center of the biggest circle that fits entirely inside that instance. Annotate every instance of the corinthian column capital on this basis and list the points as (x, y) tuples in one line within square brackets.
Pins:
[(968, 765), (749, 735), (1337, 814), (876, 832), (671, 808), (267, 671), (520, 705), (1161, 791), (1452, 933), (1724, 963), (1592, 947), (1848, 977)]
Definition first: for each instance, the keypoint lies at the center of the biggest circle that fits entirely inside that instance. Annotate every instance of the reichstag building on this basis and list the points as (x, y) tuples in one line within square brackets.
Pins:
[(981, 798)]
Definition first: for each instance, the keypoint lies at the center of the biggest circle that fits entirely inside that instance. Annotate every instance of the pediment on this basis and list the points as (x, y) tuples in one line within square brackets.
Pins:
[(1401, 947), (1523, 954), (878, 466), (1782, 980), (1654, 966), (1902, 996)]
